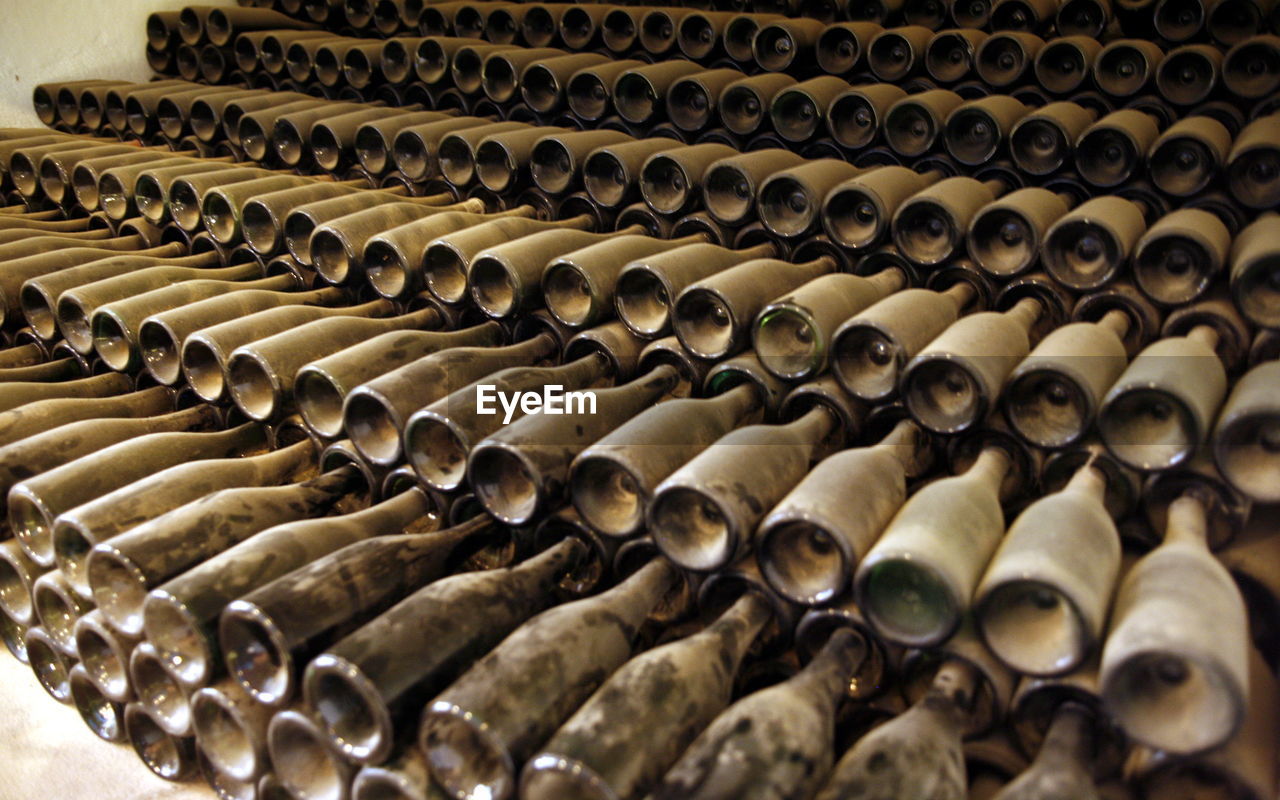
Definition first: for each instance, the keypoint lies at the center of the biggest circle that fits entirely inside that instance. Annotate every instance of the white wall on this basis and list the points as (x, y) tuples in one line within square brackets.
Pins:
[(52, 40)]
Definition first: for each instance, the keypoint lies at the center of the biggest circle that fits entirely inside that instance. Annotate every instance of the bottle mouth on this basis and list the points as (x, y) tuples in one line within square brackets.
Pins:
[(692, 529), (1048, 408), (803, 562)]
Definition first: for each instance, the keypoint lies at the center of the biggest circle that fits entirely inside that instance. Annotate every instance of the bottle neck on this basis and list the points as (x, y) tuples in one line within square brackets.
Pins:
[(1187, 522), (1204, 334), (734, 631), (814, 426), (765, 250), (638, 595), (909, 444), (287, 461), (392, 516), (422, 319), (546, 568), (1090, 481), (954, 690), (328, 296), (276, 283), (1115, 321), (962, 292), (585, 371), (991, 467), (209, 259), (582, 222), (740, 402), (538, 348), (1070, 737), (1025, 312), (831, 672), (888, 281), (373, 308)]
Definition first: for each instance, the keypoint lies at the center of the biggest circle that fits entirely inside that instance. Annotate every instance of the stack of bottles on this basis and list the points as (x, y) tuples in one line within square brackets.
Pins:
[(826, 400)]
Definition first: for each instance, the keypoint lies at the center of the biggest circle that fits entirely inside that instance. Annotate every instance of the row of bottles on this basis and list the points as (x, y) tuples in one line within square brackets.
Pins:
[(915, 440)]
